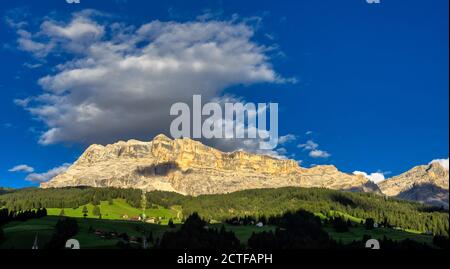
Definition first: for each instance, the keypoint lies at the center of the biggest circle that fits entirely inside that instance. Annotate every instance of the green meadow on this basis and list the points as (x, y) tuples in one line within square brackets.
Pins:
[(357, 233), (21, 235), (121, 210)]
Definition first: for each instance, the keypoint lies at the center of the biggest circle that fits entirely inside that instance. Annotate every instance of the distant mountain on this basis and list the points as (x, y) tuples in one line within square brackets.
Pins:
[(424, 183), (5, 190), (189, 167)]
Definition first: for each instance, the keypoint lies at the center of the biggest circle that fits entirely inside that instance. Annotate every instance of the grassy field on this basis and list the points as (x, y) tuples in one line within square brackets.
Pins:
[(21, 235), (357, 233), (132, 228), (119, 209)]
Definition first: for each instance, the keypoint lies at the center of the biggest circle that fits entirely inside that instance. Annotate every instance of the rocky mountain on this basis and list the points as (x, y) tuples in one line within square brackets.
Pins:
[(424, 183), (189, 167)]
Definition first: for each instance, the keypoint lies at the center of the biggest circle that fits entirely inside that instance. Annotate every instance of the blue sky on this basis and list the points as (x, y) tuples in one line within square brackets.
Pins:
[(371, 84)]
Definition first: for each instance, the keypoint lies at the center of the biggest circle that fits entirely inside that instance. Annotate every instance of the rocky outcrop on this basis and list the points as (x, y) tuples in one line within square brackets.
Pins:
[(189, 167), (424, 183)]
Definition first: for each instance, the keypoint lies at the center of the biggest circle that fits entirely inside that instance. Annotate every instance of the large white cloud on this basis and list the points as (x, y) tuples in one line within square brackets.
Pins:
[(118, 81)]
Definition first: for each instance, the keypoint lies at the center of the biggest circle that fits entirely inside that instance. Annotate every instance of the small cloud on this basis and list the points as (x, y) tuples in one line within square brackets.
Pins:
[(43, 177), (376, 177), (281, 151), (22, 168), (319, 154), (286, 139), (309, 145), (442, 162), (209, 15), (269, 36), (309, 133), (314, 150), (22, 102), (32, 66)]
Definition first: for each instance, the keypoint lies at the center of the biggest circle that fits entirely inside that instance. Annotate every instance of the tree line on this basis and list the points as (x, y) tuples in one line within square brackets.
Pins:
[(7, 215), (295, 230)]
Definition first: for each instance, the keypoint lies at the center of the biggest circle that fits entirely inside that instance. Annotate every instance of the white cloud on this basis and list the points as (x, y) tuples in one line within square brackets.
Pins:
[(309, 145), (442, 162), (282, 151), (120, 80), (32, 66), (319, 154), (376, 177), (313, 148), (309, 133), (22, 102), (78, 29), (286, 139), (42, 177), (22, 168)]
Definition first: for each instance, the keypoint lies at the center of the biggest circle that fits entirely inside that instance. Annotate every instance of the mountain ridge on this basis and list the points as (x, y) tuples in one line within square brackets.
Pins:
[(423, 183), (190, 167)]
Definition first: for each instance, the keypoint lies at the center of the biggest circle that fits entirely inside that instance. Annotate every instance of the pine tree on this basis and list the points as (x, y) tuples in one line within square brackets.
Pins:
[(85, 211), (171, 225)]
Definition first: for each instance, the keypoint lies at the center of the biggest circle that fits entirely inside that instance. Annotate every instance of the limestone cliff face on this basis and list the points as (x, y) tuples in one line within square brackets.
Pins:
[(425, 183), (189, 167)]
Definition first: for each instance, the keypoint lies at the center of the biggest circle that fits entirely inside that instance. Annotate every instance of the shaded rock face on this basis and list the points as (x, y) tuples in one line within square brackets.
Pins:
[(425, 183), (367, 187), (189, 167), (426, 193)]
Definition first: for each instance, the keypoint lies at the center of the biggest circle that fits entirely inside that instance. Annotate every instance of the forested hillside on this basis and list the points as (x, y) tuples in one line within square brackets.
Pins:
[(257, 203)]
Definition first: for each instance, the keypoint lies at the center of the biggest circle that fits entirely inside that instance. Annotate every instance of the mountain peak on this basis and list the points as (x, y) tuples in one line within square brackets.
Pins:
[(161, 137)]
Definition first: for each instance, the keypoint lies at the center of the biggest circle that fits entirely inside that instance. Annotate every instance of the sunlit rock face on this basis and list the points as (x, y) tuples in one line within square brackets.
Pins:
[(189, 167), (424, 183)]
